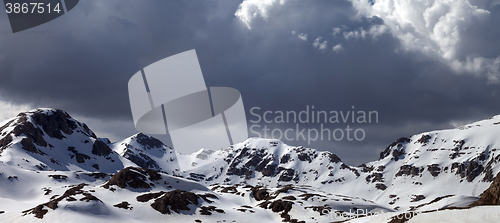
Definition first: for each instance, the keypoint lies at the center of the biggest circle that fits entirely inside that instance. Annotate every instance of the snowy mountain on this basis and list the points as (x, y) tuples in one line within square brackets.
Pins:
[(463, 161), (50, 139), (54, 168), (147, 152)]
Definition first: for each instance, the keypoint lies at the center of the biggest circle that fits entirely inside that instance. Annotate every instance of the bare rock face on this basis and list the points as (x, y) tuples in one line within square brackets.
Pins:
[(101, 149), (30, 147), (490, 196), (40, 210), (55, 123), (5, 142), (175, 201), (125, 205), (260, 193), (133, 177), (207, 210), (141, 160), (35, 134), (179, 200), (409, 170), (395, 145), (281, 205), (469, 170), (424, 139), (148, 142), (434, 169)]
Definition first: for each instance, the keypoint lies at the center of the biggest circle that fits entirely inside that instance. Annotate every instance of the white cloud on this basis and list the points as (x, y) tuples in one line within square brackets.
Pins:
[(356, 34), (320, 45), (337, 48), (251, 9), (489, 67), (336, 30), (9, 110), (432, 27), (377, 30), (374, 32), (303, 36), (435, 28)]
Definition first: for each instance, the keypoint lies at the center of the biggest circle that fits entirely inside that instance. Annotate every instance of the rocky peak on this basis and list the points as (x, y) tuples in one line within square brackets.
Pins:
[(100, 148), (53, 122), (50, 139), (36, 124), (134, 177), (490, 196), (395, 149), (148, 142), (147, 152)]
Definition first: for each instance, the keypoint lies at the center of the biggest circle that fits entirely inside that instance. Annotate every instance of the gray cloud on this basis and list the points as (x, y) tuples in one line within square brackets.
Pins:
[(82, 61)]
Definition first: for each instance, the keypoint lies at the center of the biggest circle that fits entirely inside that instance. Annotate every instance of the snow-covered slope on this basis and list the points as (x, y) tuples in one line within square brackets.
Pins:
[(462, 161), (131, 195), (54, 168), (199, 158), (271, 163)]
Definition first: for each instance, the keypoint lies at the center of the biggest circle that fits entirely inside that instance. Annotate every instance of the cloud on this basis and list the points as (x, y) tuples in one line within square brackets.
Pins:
[(303, 36), (320, 45), (490, 67), (438, 29), (251, 9), (9, 110), (337, 48), (435, 28), (374, 31), (336, 30), (356, 34), (84, 63), (377, 30)]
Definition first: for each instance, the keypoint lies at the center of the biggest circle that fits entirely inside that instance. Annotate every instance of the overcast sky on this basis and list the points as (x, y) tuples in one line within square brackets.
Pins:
[(422, 65)]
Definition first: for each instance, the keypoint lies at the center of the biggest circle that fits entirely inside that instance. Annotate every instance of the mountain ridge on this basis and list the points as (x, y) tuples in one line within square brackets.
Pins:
[(49, 151)]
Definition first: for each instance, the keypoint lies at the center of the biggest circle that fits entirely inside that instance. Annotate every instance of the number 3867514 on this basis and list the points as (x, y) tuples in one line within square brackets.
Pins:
[(32, 8)]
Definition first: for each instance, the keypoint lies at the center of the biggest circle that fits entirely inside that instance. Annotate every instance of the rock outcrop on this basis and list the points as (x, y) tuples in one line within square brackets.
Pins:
[(490, 196)]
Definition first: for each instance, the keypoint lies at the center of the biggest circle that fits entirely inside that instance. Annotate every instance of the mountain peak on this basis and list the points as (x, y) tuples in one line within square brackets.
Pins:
[(50, 139), (147, 152), (54, 122), (147, 141)]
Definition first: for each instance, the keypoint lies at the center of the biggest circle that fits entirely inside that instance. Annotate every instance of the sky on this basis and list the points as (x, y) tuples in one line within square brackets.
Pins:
[(421, 65)]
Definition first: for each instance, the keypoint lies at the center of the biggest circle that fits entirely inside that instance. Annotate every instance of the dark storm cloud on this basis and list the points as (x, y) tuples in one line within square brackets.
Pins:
[(82, 62)]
